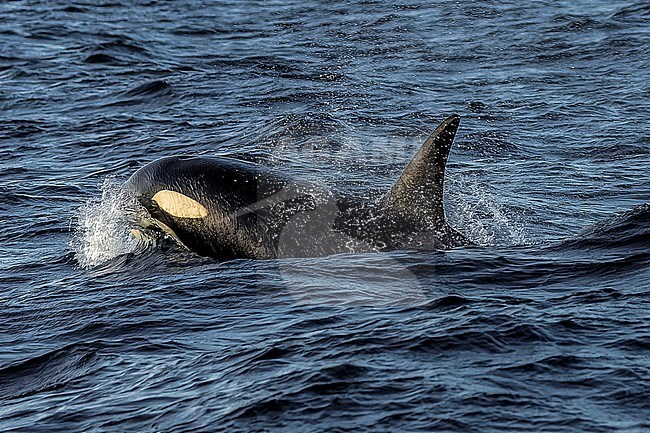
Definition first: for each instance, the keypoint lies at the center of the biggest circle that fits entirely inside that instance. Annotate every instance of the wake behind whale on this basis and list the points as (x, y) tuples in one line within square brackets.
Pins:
[(227, 208)]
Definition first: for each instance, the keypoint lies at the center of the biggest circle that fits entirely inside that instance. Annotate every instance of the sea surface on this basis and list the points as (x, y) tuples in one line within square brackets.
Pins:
[(542, 326)]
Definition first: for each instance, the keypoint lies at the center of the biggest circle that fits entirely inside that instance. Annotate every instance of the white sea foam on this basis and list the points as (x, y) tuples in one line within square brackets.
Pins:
[(100, 228), (481, 215)]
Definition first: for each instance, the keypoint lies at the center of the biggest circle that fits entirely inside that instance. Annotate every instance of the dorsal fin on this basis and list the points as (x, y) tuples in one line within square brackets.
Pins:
[(417, 195)]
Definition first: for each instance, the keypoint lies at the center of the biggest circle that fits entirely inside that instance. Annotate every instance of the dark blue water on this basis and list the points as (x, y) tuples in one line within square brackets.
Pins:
[(542, 326)]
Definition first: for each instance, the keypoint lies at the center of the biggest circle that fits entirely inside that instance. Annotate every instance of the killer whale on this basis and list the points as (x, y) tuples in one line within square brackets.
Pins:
[(227, 208)]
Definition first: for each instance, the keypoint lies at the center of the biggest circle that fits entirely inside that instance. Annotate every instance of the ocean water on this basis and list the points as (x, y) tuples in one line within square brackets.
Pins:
[(543, 325)]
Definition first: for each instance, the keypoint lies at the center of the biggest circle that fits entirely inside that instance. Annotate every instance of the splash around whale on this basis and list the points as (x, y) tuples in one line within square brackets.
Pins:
[(227, 208)]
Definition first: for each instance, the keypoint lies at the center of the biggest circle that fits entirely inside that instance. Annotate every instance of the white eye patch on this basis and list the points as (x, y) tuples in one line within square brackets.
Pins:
[(179, 205)]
